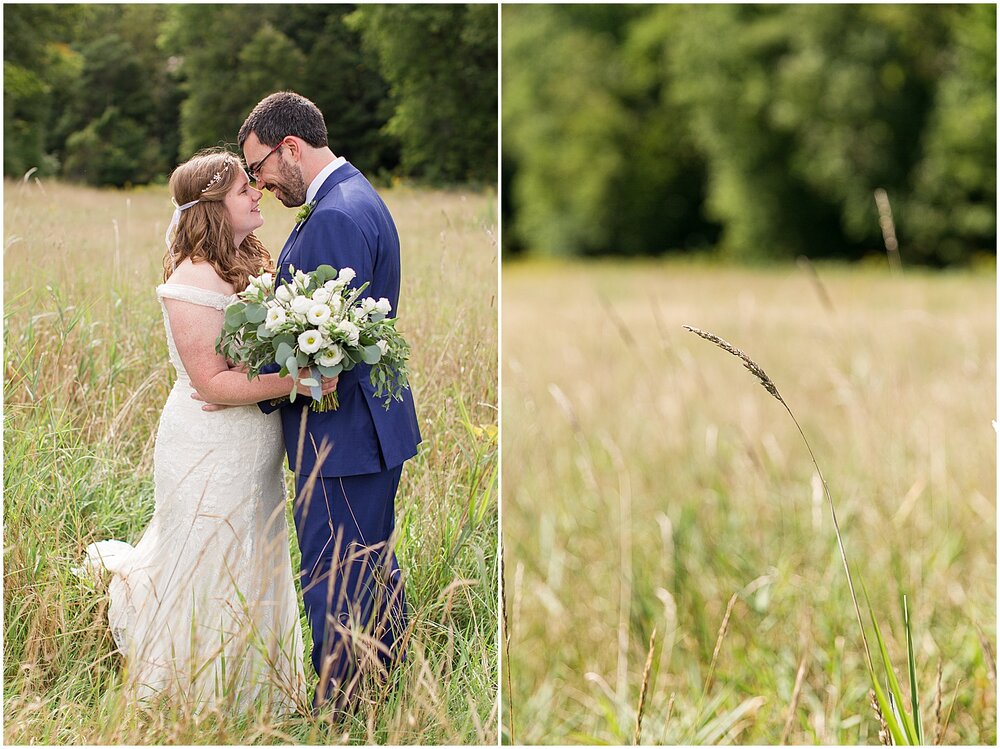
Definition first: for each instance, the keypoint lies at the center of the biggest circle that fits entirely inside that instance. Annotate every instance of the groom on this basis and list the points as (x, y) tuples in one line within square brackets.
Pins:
[(347, 462)]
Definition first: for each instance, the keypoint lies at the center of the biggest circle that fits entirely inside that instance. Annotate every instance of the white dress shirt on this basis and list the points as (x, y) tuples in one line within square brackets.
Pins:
[(321, 177)]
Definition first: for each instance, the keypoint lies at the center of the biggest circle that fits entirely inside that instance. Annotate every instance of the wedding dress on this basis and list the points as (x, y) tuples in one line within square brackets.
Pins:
[(203, 607)]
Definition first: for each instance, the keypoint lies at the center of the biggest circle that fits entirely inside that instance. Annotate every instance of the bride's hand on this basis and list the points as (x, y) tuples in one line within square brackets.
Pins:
[(327, 385)]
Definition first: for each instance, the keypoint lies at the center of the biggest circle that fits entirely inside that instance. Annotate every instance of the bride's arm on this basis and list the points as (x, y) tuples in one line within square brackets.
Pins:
[(195, 329)]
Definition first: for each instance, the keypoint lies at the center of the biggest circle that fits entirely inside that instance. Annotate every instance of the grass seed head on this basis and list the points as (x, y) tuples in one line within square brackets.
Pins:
[(753, 367), (884, 737)]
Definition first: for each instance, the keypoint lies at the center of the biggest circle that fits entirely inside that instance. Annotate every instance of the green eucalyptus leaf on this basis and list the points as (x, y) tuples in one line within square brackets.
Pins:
[(255, 313), (282, 352), (234, 314), (372, 354)]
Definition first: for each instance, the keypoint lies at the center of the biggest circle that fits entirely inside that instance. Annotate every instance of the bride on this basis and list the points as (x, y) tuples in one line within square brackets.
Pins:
[(203, 608)]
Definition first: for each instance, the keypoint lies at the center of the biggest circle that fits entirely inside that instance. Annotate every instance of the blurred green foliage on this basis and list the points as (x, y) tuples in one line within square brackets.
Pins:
[(759, 131), (119, 94)]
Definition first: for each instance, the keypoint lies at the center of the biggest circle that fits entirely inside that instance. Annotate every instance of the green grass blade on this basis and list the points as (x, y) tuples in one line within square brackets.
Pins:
[(894, 688), (912, 667), (895, 730)]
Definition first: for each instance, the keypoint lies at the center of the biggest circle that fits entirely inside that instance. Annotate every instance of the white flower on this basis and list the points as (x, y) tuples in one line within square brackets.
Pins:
[(301, 279), (282, 294), (310, 342), (330, 285), (275, 317), (368, 305), (383, 306), (321, 295), (346, 275), (301, 305), (331, 357), (318, 314), (350, 330), (264, 280), (383, 346)]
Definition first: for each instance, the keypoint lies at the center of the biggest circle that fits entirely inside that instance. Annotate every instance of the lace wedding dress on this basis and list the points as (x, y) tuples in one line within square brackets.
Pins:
[(204, 608)]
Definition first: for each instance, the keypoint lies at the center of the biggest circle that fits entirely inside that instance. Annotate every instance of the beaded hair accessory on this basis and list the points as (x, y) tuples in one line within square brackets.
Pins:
[(216, 177)]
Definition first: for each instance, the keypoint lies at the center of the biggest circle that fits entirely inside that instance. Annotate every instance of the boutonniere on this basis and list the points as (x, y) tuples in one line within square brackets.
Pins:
[(303, 214)]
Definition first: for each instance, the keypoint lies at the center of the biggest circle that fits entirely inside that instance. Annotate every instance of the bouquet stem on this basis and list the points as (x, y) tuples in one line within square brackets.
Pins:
[(328, 402)]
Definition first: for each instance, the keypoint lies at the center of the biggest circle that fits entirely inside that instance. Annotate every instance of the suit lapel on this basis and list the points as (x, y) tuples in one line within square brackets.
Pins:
[(283, 255), (345, 172)]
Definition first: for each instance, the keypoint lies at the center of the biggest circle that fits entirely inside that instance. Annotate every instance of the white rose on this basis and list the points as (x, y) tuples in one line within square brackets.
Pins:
[(282, 294), (264, 280), (321, 295), (346, 275), (383, 306), (330, 285), (331, 357), (310, 342), (368, 305), (383, 346), (275, 317), (301, 305), (318, 314), (350, 330)]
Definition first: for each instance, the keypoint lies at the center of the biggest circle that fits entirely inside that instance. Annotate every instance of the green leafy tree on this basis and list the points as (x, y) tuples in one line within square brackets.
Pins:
[(342, 79), (598, 157), (441, 65), (953, 208), (113, 150), (206, 41), (38, 66), (561, 121), (270, 61)]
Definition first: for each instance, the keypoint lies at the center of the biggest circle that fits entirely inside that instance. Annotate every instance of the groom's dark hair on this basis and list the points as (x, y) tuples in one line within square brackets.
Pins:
[(282, 114)]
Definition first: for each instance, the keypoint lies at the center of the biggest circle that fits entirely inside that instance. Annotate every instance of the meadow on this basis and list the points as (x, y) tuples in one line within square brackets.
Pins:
[(85, 376), (651, 485)]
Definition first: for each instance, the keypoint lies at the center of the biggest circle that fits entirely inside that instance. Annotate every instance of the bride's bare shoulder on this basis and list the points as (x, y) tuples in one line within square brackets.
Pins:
[(200, 275)]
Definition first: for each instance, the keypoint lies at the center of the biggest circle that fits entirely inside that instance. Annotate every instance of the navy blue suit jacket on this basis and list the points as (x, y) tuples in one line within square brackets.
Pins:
[(350, 227)]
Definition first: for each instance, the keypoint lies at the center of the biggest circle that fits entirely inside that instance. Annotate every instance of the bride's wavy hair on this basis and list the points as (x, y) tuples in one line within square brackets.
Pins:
[(204, 232)]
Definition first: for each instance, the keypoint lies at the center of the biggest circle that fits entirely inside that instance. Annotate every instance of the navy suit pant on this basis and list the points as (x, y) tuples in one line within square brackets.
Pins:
[(351, 582)]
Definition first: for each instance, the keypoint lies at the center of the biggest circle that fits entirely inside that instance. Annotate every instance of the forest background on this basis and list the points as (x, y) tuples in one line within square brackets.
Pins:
[(117, 95), (750, 132)]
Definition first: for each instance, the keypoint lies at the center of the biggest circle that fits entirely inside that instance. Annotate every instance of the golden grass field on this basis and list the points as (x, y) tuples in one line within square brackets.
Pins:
[(85, 377), (650, 482)]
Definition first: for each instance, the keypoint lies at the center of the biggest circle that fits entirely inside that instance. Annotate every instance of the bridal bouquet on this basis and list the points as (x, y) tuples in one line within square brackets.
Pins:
[(315, 323)]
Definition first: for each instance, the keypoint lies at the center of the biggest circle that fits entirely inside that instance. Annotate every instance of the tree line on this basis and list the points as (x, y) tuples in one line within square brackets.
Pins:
[(758, 132), (118, 95)]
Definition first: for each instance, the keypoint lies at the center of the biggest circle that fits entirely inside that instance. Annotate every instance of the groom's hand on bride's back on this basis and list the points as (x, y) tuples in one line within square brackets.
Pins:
[(208, 406)]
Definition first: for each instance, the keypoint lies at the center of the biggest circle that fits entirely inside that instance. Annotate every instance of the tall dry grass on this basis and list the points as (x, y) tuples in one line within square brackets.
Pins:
[(85, 377), (654, 486)]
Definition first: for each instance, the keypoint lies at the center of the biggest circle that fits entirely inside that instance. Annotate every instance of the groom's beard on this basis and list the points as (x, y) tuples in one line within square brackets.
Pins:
[(290, 189)]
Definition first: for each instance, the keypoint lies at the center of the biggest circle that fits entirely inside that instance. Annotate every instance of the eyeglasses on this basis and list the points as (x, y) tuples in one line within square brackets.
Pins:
[(254, 169)]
